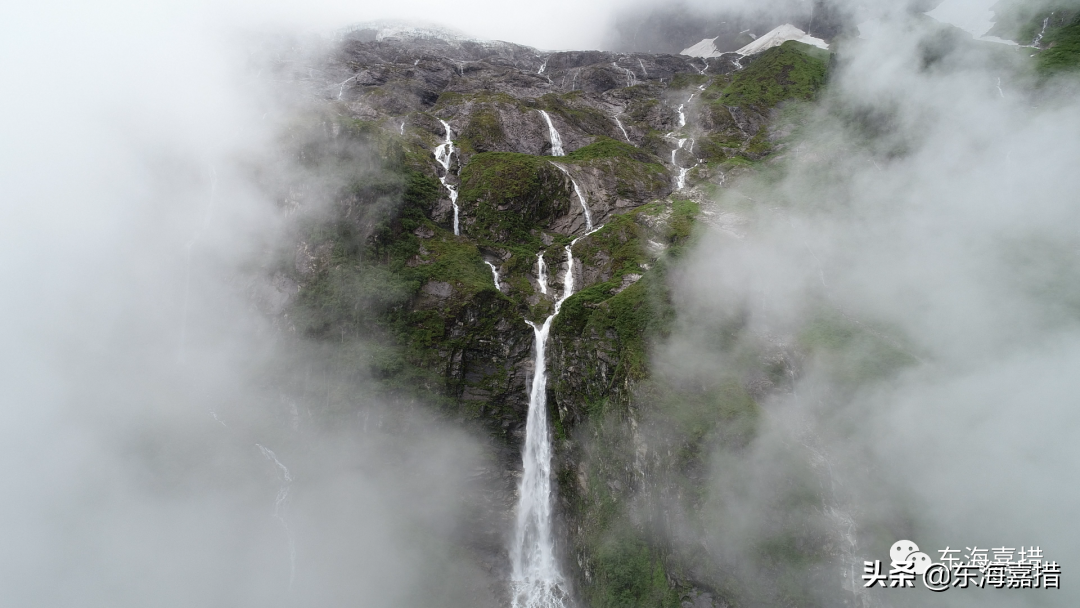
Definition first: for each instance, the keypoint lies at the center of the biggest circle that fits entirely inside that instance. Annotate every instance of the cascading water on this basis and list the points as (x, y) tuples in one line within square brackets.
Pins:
[(581, 197), (643, 70), (494, 274), (680, 180), (1039, 37), (541, 273), (279, 505), (442, 155), (631, 78), (556, 141), (537, 580), (619, 122), (341, 87)]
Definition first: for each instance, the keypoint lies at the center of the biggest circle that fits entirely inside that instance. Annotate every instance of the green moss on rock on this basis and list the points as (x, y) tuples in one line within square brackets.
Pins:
[(1063, 54), (507, 196), (790, 71)]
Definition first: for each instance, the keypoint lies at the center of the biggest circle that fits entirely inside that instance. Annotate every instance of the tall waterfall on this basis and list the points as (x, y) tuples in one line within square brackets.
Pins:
[(442, 155), (537, 580), (581, 197), (556, 141)]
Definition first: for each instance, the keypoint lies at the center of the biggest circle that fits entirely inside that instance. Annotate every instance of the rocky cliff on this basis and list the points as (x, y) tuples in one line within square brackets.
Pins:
[(618, 151)]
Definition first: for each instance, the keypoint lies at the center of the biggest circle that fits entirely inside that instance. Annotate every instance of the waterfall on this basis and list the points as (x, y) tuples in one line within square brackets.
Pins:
[(619, 122), (543, 66), (537, 580), (680, 181), (643, 70), (442, 155), (341, 86), (541, 273), (494, 274), (581, 197), (403, 127), (682, 116), (631, 78), (279, 505), (1039, 37), (556, 141)]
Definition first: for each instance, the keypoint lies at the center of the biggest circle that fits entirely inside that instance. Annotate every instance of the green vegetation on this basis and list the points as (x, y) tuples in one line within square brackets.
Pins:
[(638, 175), (484, 131), (631, 307), (401, 300), (1022, 20), (790, 71), (605, 147), (852, 352), (629, 575), (1063, 54), (506, 195), (686, 80), (580, 116)]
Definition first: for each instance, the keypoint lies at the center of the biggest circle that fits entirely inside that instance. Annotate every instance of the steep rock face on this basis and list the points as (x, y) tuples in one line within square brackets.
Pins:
[(437, 326)]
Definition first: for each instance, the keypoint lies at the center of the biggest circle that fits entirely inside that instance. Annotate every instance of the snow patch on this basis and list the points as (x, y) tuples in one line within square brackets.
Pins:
[(704, 49), (779, 36)]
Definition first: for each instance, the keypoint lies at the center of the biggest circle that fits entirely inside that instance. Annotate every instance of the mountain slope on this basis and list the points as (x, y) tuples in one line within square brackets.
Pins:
[(442, 318)]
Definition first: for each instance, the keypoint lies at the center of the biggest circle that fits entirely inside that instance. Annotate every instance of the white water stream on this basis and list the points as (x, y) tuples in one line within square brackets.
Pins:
[(541, 273), (537, 581), (631, 77), (556, 141), (680, 180), (494, 274), (619, 122), (1042, 32), (442, 155), (581, 197), (279, 506)]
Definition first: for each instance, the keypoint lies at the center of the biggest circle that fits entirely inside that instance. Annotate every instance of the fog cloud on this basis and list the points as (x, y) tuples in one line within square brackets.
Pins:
[(918, 245), (163, 443)]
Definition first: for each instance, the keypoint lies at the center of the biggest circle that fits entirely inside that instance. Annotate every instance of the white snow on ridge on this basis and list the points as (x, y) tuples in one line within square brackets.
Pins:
[(706, 48), (779, 36)]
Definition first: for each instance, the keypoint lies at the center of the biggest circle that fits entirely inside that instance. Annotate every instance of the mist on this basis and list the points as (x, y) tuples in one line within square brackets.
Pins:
[(911, 261), (165, 442)]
